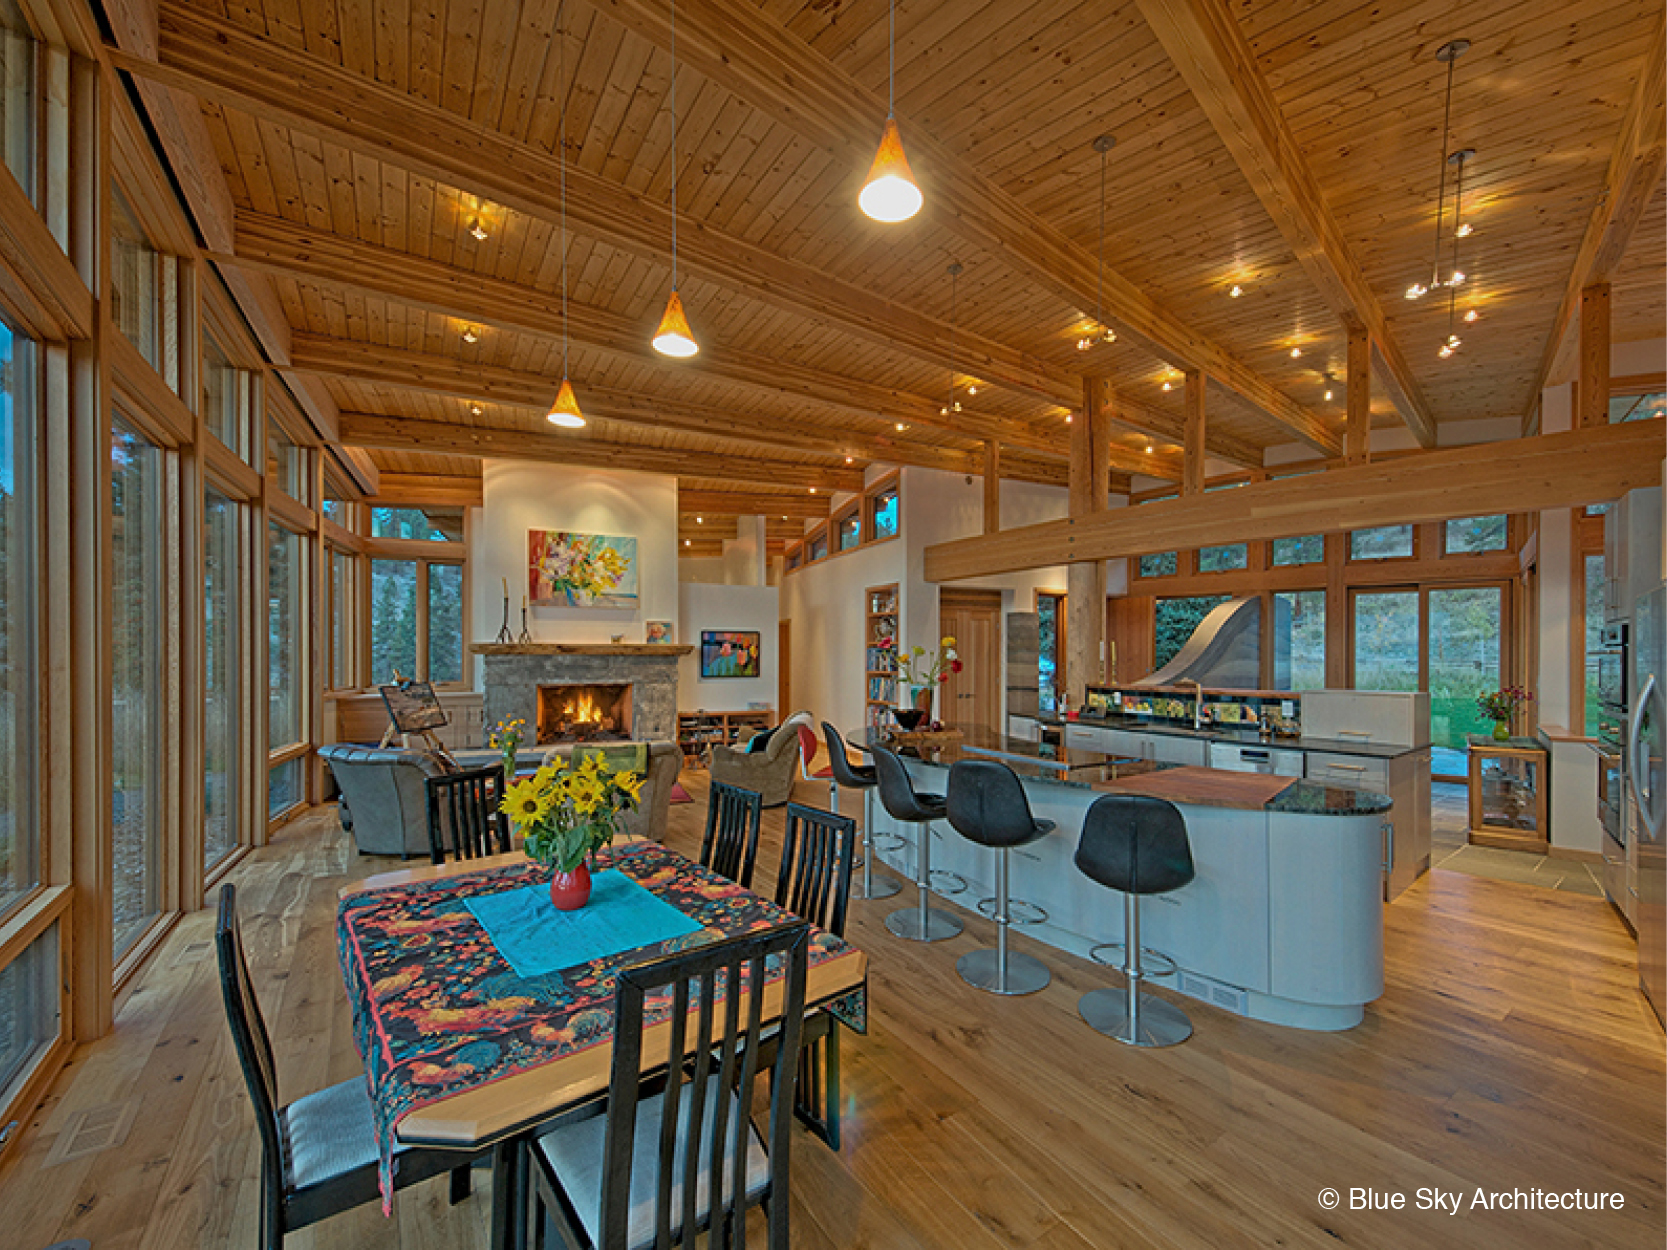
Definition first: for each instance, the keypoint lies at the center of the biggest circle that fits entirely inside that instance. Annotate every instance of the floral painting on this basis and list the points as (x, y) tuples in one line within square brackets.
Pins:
[(568, 570), (729, 653)]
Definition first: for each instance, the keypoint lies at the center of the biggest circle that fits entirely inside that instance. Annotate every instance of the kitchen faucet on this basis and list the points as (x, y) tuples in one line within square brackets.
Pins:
[(1197, 700)]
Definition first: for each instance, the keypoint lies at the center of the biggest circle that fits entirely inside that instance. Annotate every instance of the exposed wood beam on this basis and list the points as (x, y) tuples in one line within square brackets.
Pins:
[(496, 442), (765, 504), (1192, 449), (1633, 175), (1172, 428), (273, 245), (1520, 475), (47, 293), (360, 469), (1593, 393), (406, 490), (1357, 394), (1212, 55), (992, 487), (775, 71), (224, 63)]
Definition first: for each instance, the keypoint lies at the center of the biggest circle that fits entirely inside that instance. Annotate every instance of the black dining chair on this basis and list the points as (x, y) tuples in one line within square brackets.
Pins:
[(729, 846), (659, 1168), (463, 817), (318, 1153)]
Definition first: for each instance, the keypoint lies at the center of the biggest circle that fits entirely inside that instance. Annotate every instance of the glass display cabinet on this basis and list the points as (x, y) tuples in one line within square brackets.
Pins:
[(1508, 793)]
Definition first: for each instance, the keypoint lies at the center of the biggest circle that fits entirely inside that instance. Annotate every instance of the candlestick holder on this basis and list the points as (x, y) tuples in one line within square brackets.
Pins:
[(504, 635), (525, 635)]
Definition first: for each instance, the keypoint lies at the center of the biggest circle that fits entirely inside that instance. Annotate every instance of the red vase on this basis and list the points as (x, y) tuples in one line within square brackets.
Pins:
[(570, 891)]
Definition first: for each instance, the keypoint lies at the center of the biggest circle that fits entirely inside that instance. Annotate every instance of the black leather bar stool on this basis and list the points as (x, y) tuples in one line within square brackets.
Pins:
[(920, 923), (1136, 844), (861, 777), (987, 805)]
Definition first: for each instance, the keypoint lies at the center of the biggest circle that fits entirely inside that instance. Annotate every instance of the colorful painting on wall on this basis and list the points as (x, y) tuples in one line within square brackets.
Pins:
[(729, 653), (568, 570)]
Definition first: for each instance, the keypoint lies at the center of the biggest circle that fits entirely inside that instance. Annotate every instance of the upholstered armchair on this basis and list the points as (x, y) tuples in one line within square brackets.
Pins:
[(771, 771), (384, 803)]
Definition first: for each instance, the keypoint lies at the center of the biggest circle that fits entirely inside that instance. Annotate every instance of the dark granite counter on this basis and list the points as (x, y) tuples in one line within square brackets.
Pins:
[(1247, 737)]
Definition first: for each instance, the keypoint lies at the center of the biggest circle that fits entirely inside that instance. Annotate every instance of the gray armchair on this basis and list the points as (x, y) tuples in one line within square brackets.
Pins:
[(383, 799), (771, 771)]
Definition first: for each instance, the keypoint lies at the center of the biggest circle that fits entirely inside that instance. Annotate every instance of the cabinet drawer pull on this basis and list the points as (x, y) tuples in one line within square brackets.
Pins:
[(1345, 768), (1354, 733)]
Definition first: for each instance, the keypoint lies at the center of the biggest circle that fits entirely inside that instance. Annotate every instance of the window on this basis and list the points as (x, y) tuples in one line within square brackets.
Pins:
[(29, 1011), (1299, 640), (883, 510), (1176, 619), (1309, 549), (20, 865), (429, 524), (136, 281), (1050, 650), (1636, 407), (1163, 564), (335, 510), (1473, 535), (17, 95), (849, 528), (1594, 637), (283, 788), (1388, 542), (288, 465), (344, 616), (222, 744), (137, 663), (795, 557), (445, 622), (228, 399), (287, 671), (393, 619), (1386, 640), (1223, 559), (1465, 625)]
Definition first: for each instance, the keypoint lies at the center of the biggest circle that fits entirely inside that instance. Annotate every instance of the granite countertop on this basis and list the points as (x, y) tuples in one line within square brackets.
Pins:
[(1247, 737)]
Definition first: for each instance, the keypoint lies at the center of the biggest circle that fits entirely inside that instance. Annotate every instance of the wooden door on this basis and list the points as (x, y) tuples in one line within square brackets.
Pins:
[(784, 669), (973, 619)]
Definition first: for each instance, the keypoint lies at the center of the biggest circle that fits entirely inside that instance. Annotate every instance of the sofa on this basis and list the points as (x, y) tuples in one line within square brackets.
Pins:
[(384, 802), (770, 772), (665, 761)]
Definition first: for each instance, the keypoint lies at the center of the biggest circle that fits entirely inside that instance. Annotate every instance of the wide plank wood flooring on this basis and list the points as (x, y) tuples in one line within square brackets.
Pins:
[(1510, 1050)]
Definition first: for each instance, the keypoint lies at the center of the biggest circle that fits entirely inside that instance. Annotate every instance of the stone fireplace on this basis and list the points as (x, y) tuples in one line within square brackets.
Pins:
[(584, 712), (514, 673)]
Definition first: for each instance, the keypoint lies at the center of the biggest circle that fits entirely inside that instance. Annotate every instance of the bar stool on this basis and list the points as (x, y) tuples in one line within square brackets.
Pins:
[(1138, 845), (920, 923), (861, 777), (987, 805)]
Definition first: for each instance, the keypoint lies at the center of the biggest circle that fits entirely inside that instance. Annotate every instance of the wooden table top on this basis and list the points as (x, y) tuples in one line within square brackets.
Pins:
[(1210, 787)]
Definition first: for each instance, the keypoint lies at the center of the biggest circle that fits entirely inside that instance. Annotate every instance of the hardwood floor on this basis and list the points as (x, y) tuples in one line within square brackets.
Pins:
[(1510, 1050)]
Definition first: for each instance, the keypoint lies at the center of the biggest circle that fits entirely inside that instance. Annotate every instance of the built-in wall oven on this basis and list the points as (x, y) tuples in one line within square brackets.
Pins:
[(1611, 736)]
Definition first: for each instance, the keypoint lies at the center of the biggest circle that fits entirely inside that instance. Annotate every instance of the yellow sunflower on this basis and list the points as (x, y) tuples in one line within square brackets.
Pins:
[(526, 802), (630, 783)]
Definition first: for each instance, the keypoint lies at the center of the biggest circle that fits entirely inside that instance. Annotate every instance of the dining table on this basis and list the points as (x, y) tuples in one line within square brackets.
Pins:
[(482, 1013)]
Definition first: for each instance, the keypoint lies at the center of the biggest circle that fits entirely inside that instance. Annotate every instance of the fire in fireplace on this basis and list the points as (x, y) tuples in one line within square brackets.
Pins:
[(584, 713)]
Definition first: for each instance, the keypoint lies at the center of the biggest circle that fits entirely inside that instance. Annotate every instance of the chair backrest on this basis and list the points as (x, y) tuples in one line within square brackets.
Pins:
[(730, 845), (714, 1051), (1135, 843), (987, 804), (807, 750), (463, 817), (840, 760), (897, 792), (814, 880), (254, 1050)]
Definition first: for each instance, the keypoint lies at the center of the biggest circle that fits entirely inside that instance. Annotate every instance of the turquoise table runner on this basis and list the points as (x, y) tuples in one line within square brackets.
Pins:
[(537, 939)]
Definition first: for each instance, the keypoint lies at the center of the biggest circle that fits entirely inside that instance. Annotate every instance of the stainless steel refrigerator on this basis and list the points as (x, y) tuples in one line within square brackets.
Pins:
[(1647, 786)]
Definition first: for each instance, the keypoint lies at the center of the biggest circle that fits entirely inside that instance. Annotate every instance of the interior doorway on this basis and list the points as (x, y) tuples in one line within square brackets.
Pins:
[(972, 697)]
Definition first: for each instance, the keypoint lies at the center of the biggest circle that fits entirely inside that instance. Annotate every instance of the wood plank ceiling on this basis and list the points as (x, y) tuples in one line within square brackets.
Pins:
[(826, 335)]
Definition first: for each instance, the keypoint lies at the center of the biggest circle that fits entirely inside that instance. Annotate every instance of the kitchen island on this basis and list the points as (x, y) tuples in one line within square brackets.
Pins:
[(1284, 920)]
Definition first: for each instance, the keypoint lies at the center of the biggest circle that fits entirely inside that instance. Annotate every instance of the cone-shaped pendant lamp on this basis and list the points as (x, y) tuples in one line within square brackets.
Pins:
[(890, 194), (565, 411), (674, 338)]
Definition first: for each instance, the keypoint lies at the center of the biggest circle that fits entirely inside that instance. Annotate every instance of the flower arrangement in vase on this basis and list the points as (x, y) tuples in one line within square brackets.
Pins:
[(924, 671), (1501, 706), (564, 814), (506, 737)]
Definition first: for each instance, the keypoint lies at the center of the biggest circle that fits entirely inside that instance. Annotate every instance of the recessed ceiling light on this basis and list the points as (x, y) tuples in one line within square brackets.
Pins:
[(475, 410), (901, 427), (477, 230), (1465, 230), (1148, 449), (700, 520), (1069, 416), (1328, 394), (1236, 291), (1296, 352), (469, 335), (1471, 315), (847, 460), (813, 490), (1168, 387), (971, 389)]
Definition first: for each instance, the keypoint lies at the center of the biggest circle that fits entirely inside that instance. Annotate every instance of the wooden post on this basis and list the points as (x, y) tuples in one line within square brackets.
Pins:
[(1085, 598), (1593, 393), (1192, 464), (1357, 437), (992, 486)]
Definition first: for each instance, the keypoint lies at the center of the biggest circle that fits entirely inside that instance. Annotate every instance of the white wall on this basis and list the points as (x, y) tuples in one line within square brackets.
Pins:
[(521, 496), (828, 606), (702, 606)]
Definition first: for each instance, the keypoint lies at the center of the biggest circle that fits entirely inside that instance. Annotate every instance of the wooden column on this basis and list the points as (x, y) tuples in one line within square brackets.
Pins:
[(1593, 395), (1357, 437), (1192, 464), (1085, 598), (992, 486)]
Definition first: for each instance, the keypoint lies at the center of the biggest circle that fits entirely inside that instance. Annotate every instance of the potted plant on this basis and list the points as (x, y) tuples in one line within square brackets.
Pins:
[(924, 671), (1500, 706), (566, 813)]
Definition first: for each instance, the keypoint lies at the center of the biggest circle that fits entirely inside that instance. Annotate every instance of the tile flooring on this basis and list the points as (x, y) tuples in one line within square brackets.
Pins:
[(1450, 850)]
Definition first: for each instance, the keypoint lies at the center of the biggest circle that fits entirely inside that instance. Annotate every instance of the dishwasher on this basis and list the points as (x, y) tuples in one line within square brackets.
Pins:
[(1234, 758)]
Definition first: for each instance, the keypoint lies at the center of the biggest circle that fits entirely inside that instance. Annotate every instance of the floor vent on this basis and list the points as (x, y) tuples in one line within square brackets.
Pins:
[(1227, 997), (91, 1131)]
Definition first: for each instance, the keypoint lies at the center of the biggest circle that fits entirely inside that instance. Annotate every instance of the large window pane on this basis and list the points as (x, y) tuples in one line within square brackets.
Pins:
[(1222, 559), (1161, 565), (433, 524), (138, 537), (1389, 542), (885, 514), (19, 828), (287, 465), (1386, 640), (283, 788), (1636, 407), (1309, 549), (29, 1001), (1474, 534), (283, 623), (343, 610), (135, 283), (1465, 625), (445, 622), (17, 95), (393, 619), (1299, 639), (1594, 638), (221, 632), (850, 531), (1176, 619), (1050, 654), (225, 398)]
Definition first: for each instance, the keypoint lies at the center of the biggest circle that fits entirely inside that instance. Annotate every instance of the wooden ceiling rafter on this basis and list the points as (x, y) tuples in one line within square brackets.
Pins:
[(1214, 58), (799, 506)]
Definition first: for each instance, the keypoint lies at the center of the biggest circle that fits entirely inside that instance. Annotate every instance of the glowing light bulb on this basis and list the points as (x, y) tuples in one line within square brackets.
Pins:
[(674, 338), (1457, 279), (686, 542), (1296, 352), (943, 411), (956, 405), (1069, 417), (1446, 351), (890, 194), (475, 410), (1236, 291), (972, 390), (700, 520), (847, 460), (1472, 315), (1328, 394), (813, 490), (477, 230), (1148, 449), (1465, 230), (1168, 387), (901, 427), (469, 335), (1417, 291)]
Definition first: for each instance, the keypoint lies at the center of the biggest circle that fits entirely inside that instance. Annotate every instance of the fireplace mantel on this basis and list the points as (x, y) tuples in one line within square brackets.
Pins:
[(578, 648)]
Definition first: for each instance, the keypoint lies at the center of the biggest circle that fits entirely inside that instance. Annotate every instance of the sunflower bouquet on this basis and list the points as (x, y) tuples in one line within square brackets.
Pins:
[(564, 811)]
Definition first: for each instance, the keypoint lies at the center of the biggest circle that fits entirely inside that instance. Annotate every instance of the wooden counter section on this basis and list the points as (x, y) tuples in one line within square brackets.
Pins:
[(1210, 787)]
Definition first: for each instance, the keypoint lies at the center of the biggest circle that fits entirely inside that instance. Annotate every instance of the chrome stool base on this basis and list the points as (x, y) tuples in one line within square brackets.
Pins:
[(953, 883), (1161, 1023), (1166, 967), (981, 969), (873, 886), (1019, 911), (907, 924)]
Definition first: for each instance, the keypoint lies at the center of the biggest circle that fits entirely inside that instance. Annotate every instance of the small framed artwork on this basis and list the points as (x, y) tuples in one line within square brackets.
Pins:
[(657, 631), (729, 652)]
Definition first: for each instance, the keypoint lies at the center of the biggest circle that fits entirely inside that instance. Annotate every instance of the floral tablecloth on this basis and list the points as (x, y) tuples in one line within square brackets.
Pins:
[(437, 1010)]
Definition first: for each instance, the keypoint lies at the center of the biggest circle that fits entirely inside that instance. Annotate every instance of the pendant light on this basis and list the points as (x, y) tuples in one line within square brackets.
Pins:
[(1448, 54), (565, 411), (1456, 278), (674, 338), (890, 194), (952, 404), (1105, 333)]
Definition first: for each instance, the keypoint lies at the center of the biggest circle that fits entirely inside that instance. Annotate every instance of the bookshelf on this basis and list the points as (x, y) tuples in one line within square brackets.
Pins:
[(881, 665), (698, 730)]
